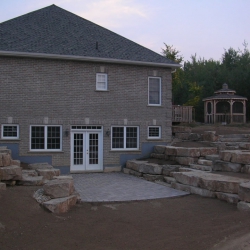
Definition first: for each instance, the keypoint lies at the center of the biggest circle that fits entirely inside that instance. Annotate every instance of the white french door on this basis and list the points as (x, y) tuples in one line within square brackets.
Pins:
[(86, 150)]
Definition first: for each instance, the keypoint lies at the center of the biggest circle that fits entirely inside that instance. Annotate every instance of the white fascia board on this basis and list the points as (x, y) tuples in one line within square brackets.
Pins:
[(86, 58)]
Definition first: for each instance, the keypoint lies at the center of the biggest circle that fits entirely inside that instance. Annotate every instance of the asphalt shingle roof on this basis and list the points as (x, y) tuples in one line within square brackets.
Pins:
[(53, 30)]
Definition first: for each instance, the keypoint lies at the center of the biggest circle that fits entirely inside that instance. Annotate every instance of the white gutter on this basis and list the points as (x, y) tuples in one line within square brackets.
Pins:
[(86, 58)]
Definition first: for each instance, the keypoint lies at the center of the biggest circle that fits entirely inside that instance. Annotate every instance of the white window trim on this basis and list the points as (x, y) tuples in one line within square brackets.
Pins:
[(149, 104), (9, 137), (154, 137), (46, 137), (106, 81), (124, 138)]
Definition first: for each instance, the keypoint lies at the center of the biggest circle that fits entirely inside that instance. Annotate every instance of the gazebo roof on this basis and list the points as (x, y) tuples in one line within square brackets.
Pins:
[(224, 94)]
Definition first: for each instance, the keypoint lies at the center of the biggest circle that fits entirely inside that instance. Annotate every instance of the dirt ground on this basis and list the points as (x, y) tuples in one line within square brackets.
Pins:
[(191, 222)]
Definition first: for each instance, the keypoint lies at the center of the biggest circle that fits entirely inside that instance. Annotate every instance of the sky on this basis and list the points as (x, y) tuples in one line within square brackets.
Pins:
[(203, 27)]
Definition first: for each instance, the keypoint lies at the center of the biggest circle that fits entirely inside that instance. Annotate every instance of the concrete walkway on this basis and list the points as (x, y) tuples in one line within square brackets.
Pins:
[(112, 187)]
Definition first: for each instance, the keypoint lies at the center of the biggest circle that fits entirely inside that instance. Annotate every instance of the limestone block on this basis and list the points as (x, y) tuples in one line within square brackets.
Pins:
[(16, 163), (201, 167), (205, 162), (29, 180), (245, 169), (181, 129), (132, 172), (60, 205), (212, 182), (48, 173), (182, 136), (226, 166), (188, 152), (241, 157), (59, 188), (243, 206), (5, 159), (188, 169), (171, 150), (11, 173), (181, 187), (212, 157), (194, 137), (151, 177), (158, 156), (226, 155), (208, 151), (29, 172), (144, 167), (2, 186), (43, 165), (230, 198), (185, 160), (169, 179), (210, 136), (244, 191), (169, 169), (159, 149), (244, 146)]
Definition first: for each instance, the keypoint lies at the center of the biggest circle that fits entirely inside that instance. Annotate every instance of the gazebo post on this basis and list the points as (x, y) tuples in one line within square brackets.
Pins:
[(214, 108), (244, 111), (231, 111)]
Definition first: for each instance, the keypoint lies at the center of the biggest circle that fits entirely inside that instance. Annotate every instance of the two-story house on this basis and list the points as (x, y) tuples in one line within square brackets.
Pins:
[(77, 95)]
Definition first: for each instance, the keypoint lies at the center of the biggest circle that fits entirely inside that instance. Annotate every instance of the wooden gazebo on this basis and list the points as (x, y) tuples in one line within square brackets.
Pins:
[(225, 107)]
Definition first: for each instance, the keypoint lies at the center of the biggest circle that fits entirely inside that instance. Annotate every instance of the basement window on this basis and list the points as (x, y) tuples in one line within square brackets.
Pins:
[(9, 131)]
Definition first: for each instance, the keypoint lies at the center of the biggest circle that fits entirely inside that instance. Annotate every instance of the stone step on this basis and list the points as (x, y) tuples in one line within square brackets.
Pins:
[(169, 180), (212, 157), (144, 167), (28, 180), (234, 136), (201, 167), (230, 198), (48, 173), (227, 166), (234, 139), (209, 181), (151, 177), (205, 162)]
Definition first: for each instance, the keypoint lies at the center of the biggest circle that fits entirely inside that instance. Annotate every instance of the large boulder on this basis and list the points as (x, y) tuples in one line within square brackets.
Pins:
[(210, 136), (144, 167), (60, 205), (11, 173), (5, 159), (59, 188), (244, 191)]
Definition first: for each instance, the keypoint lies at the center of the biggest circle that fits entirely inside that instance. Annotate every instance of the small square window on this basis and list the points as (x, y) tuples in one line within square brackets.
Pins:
[(101, 82), (10, 131), (154, 132)]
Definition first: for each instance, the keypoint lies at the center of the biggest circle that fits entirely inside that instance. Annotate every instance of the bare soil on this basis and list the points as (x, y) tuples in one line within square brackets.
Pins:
[(191, 222)]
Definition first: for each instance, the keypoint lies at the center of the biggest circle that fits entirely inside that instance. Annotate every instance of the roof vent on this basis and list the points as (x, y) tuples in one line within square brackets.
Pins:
[(225, 86)]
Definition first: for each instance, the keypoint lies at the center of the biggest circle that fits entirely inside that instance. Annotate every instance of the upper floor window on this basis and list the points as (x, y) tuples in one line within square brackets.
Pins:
[(154, 91), (125, 137), (101, 81), (46, 137), (10, 131)]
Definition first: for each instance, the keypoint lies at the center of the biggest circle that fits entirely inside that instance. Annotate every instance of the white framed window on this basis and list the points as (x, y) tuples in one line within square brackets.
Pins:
[(45, 138), (101, 81), (10, 131), (125, 138), (154, 132), (154, 91)]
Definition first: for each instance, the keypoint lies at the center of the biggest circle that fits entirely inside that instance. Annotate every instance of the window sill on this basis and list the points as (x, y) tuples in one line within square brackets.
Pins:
[(157, 106), (154, 139), (98, 90), (44, 151), (125, 150), (9, 139)]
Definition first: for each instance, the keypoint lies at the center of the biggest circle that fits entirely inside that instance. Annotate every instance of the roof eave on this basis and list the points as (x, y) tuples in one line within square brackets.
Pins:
[(86, 58)]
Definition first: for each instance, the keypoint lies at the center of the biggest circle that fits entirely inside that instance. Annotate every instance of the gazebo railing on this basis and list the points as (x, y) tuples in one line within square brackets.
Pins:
[(237, 118)]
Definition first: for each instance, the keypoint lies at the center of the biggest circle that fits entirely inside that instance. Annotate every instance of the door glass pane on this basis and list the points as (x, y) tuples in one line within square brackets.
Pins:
[(93, 148), (78, 149)]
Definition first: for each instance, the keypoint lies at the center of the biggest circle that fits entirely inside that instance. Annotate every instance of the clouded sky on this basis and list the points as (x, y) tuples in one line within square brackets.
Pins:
[(201, 27)]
